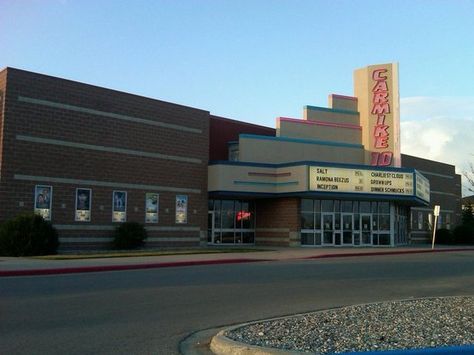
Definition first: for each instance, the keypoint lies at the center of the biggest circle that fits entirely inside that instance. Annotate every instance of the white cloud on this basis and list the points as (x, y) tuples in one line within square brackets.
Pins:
[(439, 129), (425, 107)]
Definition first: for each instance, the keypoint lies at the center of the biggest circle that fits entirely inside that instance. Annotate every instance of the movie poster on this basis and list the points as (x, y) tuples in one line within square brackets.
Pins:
[(181, 209), (119, 206), (83, 205), (151, 207), (43, 198)]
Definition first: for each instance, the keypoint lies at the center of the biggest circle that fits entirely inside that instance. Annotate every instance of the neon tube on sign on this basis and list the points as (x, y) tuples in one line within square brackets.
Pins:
[(380, 108)]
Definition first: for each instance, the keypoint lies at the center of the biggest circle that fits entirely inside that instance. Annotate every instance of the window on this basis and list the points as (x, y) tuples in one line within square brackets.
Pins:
[(234, 152), (364, 207), (384, 207), (420, 220), (234, 222), (246, 216), (307, 220), (384, 222), (311, 220), (346, 206), (227, 214), (307, 205)]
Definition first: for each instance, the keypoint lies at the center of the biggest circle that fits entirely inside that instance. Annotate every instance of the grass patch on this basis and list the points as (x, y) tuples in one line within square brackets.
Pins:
[(124, 254)]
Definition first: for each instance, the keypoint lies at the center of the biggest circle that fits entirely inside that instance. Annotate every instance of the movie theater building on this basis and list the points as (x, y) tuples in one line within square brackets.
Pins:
[(89, 158)]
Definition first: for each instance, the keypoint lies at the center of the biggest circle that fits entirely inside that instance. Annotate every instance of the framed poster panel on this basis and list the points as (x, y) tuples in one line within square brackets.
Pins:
[(43, 200), (181, 209), (83, 205), (119, 206), (151, 207)]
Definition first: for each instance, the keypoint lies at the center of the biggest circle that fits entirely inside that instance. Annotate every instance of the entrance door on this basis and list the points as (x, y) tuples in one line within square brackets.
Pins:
[(347, 227), (328, 228), (210, 227), (366, 229), (402, 230)]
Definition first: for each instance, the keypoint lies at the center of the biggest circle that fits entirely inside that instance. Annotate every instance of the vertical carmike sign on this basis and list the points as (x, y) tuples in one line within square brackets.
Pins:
[(376, 89)]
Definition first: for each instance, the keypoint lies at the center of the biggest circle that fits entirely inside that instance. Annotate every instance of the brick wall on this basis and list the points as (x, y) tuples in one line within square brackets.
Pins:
[(224, 130), (445, 186), (278, 221), (69, 135), (3, 84)]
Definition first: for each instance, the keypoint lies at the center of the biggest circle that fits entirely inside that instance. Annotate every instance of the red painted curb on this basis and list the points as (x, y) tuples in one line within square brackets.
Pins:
[(387, 253), (81, 269), (85, 269)]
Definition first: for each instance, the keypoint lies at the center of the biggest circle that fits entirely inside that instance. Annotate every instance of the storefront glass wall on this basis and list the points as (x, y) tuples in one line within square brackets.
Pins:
[(231, 222), (346, 223), (401, 225)]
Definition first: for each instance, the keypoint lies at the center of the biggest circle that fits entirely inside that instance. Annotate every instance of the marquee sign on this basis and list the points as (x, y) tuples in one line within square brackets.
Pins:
[(329, 179), (422, 187)]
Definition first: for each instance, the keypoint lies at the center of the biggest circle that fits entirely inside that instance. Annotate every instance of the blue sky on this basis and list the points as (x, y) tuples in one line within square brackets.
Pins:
[(257, 60)]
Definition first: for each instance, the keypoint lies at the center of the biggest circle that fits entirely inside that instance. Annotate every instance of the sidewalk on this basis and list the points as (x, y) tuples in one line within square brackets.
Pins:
[(10, 266)]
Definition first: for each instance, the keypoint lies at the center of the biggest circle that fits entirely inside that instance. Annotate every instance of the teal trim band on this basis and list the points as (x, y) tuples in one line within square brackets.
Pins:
[(311, 163), (407, 200), (335, 110), (240, 182), (302, 141)]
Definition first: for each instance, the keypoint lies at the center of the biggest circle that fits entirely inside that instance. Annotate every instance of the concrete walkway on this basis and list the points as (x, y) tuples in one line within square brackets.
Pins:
[(10, 266)]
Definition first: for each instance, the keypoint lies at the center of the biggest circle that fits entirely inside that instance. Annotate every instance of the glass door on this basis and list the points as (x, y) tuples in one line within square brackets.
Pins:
[(402, 230), (337, 229), (366, 229), (347, 227), (328, 228), (210, 227)]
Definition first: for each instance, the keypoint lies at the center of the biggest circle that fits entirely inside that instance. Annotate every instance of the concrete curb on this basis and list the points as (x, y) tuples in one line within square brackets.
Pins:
[(448, 350), (221, 345)]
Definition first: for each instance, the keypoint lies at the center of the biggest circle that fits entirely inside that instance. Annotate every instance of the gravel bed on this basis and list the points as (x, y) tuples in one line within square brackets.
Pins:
[(409, 324)]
